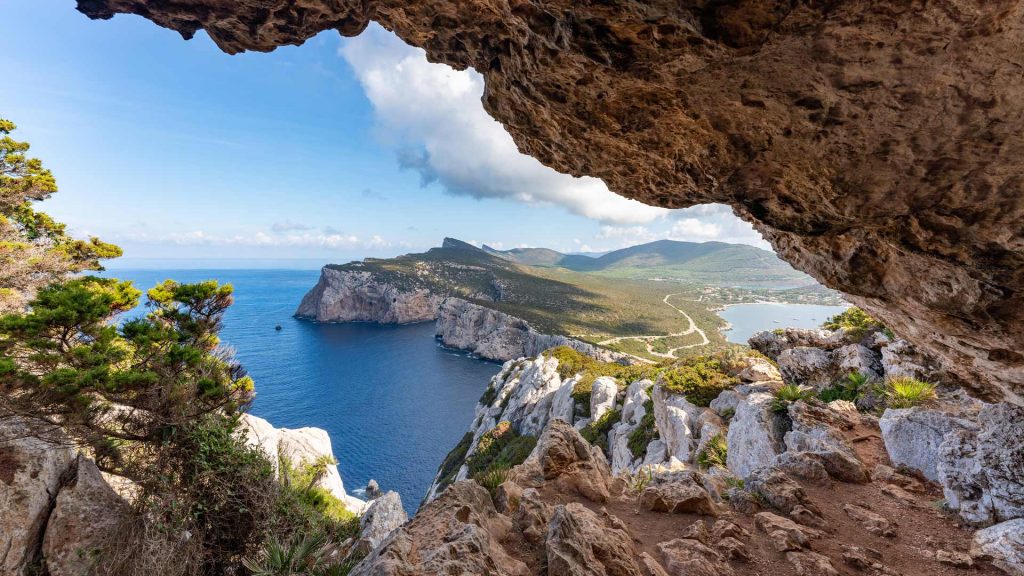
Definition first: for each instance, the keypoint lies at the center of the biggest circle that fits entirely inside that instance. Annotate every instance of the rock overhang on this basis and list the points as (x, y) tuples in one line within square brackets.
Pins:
[(875, 146)]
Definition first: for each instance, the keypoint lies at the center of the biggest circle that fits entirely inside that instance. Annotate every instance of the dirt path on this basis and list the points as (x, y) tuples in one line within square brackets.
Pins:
[(649, 339)]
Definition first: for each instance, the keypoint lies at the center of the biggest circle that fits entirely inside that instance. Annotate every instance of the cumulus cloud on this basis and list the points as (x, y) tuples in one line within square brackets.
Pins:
[(433, 118)]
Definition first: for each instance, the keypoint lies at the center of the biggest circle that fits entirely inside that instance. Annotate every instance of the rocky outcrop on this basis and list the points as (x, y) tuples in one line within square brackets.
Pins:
[(572, 462), (755, 435), (816, 433), (358, 296), (299, 446), (912, 437), (495, 335), (32, 474), (86, 512), (459, 533), (383, 515), (981, 468), (580, 543), (1004, 544)]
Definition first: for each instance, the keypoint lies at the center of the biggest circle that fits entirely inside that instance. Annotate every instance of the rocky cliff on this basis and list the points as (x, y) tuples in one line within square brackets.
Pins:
[(876, 145), (357, 296), (360, 296), (637, 479), (497, 336)]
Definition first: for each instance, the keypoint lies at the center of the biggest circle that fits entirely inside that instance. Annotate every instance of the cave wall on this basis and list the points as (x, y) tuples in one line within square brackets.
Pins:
[(876, 145)]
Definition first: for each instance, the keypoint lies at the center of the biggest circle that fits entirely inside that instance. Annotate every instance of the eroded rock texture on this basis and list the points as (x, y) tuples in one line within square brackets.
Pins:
[(875, 144)]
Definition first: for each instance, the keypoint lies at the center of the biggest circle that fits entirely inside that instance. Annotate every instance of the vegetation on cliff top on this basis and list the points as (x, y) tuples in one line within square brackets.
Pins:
[(154, 399)]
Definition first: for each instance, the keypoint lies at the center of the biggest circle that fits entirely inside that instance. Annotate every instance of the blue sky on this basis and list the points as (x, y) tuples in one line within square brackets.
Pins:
[(334, 150)]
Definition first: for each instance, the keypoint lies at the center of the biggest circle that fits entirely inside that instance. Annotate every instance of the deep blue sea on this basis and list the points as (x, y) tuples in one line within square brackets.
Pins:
[(393, 401), (748, 319)]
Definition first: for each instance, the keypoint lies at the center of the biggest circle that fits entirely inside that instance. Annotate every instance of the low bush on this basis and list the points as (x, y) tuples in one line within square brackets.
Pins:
[(789, 394), (850, 388), (499, 447), (699, 379), (646, 432), (854, 321), (714, 453), (903, 392), (495, 476), (597, 431)]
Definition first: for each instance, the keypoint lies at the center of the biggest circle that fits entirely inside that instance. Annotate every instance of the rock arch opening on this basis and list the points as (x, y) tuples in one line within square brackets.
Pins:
[(876, 147)]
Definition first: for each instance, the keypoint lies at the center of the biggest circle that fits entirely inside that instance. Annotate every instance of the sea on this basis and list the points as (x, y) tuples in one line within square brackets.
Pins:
[(393, 401), (748, 319)]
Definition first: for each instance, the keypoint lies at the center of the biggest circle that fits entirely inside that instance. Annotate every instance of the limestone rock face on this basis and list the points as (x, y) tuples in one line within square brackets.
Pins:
[(837, 129), (571, 461), (816, 434), (86, 510), (302, 445), (982, 469), (580, 543), (1004, 543), (602, 396), (383, 516), (807, 366), (912, 437), (347, 296), (459, 533), (676, 419), (772, 343), (755, 435), (497, 336), (32, 472)]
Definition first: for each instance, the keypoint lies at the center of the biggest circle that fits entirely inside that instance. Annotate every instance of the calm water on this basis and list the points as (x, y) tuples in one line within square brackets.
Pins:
[(748, 319), (392, 400)]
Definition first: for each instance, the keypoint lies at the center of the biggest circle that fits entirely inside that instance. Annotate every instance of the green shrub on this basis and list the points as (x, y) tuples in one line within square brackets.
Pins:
[(714, 452), (789, 394), (499, 447), (495, 476), (903, 392), (596, 432), (699, 379), (488, 396), (646, 432), (849, 389), (854, 321), (453, 461)]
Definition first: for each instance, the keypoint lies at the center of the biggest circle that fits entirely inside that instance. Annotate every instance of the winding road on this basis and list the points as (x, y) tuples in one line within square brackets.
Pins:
[(647, 339)]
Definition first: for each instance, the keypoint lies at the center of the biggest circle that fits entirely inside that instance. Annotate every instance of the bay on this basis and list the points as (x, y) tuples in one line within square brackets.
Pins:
[(392, 400), (748, 319)]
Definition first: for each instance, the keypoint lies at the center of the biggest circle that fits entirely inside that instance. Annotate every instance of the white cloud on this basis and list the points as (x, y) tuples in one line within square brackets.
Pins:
[(456, 144), (332, 239), (288, 226), (697, 224)]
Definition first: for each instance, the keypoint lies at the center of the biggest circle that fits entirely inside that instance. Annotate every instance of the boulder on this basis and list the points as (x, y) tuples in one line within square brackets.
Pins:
[(581, 543), (602, 396), (676, 419), (804, 366), (726, 402), (778, 490), (912, 437), (900, 358), (772, 343), (784, 534), (816, 434), (458, 533), (1004, 544), (676, 493), (574, 464), (759, 370), (872, 522), (384, 515), (755, 435), (86, 513), (807, 563), (532, 517), (32, 473), (857, 358), (981, 468), (688, 557)]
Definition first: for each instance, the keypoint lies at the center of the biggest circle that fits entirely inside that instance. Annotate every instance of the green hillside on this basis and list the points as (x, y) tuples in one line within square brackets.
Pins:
[(709, 263), (554, 300)]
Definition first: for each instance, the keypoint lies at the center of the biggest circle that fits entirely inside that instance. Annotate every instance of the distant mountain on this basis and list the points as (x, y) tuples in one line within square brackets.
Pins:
[(707, 262)]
